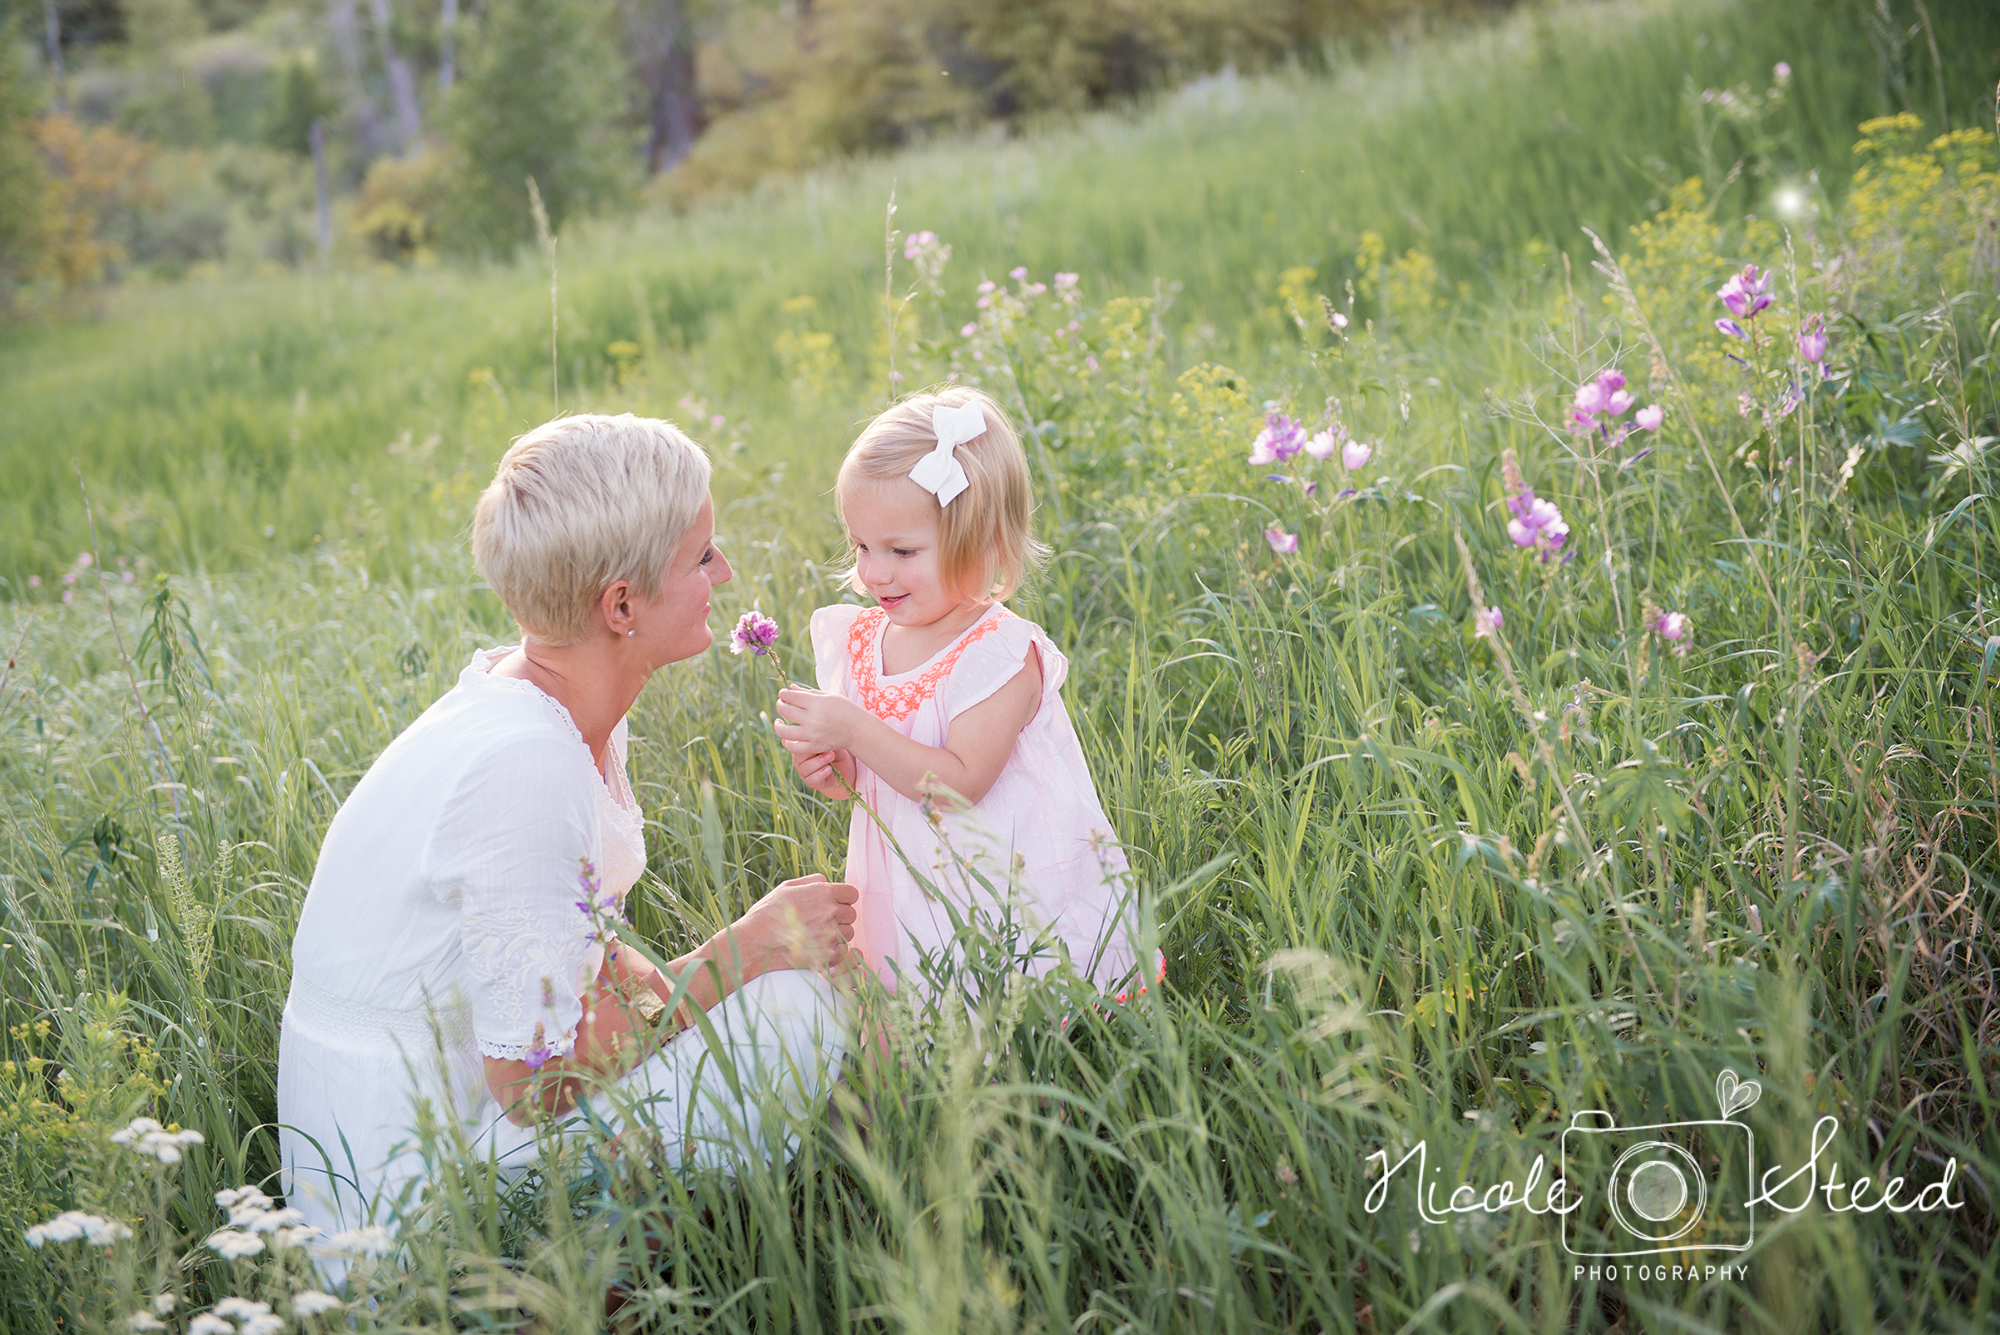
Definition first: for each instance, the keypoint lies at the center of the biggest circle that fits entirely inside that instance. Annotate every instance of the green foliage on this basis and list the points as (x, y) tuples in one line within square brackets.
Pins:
[(23, 180), (1413, 882), (531, 104)]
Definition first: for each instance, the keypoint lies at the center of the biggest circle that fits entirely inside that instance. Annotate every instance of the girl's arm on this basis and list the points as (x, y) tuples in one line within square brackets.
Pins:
[(975, 748)]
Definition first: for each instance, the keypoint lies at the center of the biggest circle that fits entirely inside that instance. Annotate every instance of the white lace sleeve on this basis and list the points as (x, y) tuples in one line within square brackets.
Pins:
[(507, 854)]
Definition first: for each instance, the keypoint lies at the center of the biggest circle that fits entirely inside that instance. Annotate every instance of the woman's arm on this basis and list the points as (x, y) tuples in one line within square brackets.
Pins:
[(804, 923), (975, 748)]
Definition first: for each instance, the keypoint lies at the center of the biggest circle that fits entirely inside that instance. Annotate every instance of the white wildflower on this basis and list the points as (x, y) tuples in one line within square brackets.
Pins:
[(73, 1224), (144, 1321), (268, 1324), (210, 1324), (271, 1220), (242, 1308), (294, 1237), (146, 1136), (234, 1245), (164, 1303), (312, 1302), (373, 1240), (248, 1197), (133, 1131)]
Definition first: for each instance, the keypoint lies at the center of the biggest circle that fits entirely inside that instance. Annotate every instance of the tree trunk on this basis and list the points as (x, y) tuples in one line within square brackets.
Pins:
[(347, 41), (663, 54), (53, 24), (447, 30), (402, 85)]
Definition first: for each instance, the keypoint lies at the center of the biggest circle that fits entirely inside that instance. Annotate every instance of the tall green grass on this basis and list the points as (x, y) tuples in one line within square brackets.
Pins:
[(1413, 884)]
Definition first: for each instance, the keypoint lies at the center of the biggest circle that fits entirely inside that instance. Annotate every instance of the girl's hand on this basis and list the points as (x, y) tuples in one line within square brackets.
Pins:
[(828, 773), (818, 720)]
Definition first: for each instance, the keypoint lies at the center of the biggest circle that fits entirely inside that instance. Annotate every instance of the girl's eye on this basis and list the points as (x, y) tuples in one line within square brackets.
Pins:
[(904, 551)]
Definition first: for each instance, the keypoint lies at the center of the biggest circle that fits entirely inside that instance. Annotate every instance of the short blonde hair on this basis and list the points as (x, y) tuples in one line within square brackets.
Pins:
[(578, 504), (988, 542)]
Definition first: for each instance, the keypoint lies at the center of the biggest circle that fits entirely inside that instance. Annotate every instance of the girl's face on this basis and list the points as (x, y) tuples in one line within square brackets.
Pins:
[(898, 547)]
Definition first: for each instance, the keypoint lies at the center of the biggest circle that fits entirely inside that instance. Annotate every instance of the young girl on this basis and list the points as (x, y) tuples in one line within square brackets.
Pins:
[(937, 683)]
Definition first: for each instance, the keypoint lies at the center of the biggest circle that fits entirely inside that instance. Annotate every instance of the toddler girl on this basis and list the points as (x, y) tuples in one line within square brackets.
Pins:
[(937, 681)]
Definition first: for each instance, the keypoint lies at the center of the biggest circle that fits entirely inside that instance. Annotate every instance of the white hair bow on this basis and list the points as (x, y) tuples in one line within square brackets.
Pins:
[(939, 472)]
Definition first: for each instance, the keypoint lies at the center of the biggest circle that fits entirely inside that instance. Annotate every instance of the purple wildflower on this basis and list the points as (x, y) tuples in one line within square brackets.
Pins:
[(1812, 343), (1731, 328), (1354, 456), (1649, 417), (1283, 543), (754, 632), (1537, 524), (1280, 439), (1323, 444), (1486, 622), (1746, 293)]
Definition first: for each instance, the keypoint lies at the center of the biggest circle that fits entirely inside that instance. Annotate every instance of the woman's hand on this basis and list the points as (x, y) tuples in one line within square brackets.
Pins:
[(812, 721), (828, 773), (804, 923)]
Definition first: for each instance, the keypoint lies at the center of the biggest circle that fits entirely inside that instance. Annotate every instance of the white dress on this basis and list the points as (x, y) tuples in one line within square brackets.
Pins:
[(1040, 825), (442, 926)]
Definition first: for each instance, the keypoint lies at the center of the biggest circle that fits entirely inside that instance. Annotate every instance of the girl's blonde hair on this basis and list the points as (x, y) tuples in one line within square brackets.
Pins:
[(988, 544), (578, 504)]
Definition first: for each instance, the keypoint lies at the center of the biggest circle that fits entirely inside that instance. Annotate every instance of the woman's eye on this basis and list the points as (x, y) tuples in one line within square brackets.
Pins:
[(708, 556)]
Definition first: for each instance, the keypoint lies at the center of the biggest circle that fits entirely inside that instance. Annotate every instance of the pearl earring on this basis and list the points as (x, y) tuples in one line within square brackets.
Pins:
[(632, 632)]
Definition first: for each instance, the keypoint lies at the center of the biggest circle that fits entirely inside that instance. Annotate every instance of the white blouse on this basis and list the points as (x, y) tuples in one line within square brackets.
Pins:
[(443, 926)]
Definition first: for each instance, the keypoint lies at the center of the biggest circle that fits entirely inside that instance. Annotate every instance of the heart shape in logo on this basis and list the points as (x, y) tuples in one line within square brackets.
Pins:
[(1735, 1095)]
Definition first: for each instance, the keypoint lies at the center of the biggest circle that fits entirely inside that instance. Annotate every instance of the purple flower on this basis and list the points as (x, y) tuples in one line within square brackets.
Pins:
[(1283, 543), (1650, 417), (1354, 456), (754, 632), (1280, 439), (1322, 444), (1486, 622), (1672, 625), (1746, 293), (1018, 274), (1605, 395), (1782, 73), (1812, 343), (971, 328), (986, 287), (1537, 524), (1731, 328)]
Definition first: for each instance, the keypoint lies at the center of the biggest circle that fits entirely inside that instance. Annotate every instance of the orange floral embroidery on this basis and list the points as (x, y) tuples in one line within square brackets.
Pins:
[(902, 699)]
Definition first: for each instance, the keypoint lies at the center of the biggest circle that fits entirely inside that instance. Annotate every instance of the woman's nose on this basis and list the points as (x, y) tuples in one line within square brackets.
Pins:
[(719, 571)]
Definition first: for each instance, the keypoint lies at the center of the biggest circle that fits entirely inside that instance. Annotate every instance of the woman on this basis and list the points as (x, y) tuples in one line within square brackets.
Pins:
[(443, 956)]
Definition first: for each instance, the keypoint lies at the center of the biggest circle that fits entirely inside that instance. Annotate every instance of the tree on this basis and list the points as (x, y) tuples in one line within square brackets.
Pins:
[(532, 101), (661, 42), (24, 185)]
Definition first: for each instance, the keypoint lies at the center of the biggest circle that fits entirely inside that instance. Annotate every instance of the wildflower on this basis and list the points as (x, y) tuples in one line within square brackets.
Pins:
[(1672, 625), (210, 1324), (125, 577), (1487, 622), (243, 1309), (1066, 290), (1781, 73), (717, 420), (1019, 273), (231, 1197), (1812, 342), (1280, 439), (233, 1244), (1746, 293), (1322, 444), (69, 596), (73, 1224), (69, 577), (1334, 319), (971, 328), (84, 560), (313, 1303), (371, 1240), (273, 1221), (1649, 417), (986, 287), (1091, 362), (144, 1321), (1286, 1173), (754, 633), (1537, 523), (1731, 328), (1283, 543), (164, 1303), (146, 1136), (1354, 456), (34, 581)]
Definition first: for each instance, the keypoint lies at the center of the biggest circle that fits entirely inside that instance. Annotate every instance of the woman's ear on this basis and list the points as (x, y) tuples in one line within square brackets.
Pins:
[(614, 607)]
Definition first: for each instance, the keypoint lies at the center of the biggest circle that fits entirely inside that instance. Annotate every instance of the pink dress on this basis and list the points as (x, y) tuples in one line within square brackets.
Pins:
[(1041, 815)]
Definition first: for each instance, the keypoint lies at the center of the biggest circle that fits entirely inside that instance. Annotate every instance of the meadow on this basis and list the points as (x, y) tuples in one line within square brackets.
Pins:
[(1450, 828)]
